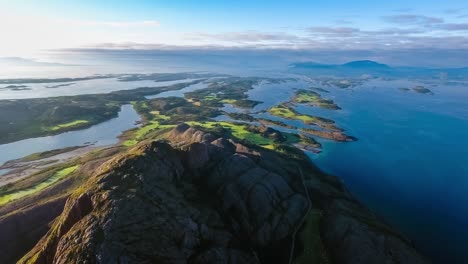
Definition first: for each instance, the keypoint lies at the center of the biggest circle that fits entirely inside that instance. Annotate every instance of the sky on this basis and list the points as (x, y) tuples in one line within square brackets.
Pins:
[(29, 26)]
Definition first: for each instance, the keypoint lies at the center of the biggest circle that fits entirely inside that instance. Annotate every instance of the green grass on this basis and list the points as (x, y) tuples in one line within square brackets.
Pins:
[(211, 97), (146, 129), (228, 101), (130, 142), (307, 97), (314, 99), (140, 105), (158, 116), (142, 131), (286, 112), (38, 187), (239, 131), (154, 124), (68, 125)]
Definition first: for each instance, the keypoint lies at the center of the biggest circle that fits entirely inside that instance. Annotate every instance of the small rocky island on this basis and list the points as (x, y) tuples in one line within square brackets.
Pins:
[(417, 89), (15, 87), (422, 90)]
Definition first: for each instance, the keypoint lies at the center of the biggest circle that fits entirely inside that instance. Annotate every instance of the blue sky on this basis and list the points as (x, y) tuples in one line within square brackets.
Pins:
[(342, 24)]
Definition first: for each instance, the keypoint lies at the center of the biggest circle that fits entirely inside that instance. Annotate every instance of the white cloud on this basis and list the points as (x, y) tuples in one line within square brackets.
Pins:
[(409, 19), (27, 34), (22, 34), (245, 37), (334, 30), (454, 26)]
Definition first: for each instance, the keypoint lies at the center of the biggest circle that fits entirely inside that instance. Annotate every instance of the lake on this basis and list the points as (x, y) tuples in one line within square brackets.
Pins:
[(101, 135)]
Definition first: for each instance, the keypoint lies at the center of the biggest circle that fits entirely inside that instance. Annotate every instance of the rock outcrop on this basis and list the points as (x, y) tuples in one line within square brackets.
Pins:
[(20, 230), (201, 198)]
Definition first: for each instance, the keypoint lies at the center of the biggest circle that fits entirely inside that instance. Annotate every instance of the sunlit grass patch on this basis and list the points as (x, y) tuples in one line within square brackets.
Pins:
[(314, 99), (130, 142), (211, 97), (239, 131), (286, 112), (38, 187), (68, 125), (142, 131), (140, 105), (228, 101), (158, 116), (145, 129), (305, 97)]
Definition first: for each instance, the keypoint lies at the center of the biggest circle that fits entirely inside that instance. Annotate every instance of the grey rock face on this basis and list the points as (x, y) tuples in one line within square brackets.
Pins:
[(201, 202), (362, 239), (260, 203), (202, 199)]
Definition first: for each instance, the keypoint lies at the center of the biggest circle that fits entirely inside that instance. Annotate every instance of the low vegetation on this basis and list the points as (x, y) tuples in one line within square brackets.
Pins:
[(288, 112), (313, 249), (72, 124), (48, 154), (239, 131), (229, 91), (313, 99), (8, 195)]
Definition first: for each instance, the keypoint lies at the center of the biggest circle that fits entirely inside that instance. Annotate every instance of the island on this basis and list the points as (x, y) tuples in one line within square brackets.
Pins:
[(422, 90), (14, 87), (418, 89), (313, 99), (59, 85)]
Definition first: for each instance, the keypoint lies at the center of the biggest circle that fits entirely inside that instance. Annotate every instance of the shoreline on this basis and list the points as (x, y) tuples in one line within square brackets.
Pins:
[(19, 169)]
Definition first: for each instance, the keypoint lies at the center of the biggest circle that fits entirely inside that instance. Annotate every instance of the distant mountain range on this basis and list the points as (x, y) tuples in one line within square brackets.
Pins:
[(374, 68), (364, 64)]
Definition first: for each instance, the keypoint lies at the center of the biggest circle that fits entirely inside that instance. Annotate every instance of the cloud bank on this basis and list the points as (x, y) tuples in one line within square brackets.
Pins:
[(399, 31)]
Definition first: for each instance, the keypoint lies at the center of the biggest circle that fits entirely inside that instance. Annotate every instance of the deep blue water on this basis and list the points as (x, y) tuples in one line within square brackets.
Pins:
[(410, 164)]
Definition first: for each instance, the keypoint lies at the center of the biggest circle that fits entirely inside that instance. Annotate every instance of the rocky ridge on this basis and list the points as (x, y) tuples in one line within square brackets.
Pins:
[(196, 197)]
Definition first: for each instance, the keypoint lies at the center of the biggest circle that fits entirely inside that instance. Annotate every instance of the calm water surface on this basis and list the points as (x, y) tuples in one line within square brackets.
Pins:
[(102, 134), (410, 163)]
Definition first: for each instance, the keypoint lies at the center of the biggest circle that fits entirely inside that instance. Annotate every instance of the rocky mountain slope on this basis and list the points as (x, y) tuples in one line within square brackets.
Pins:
[(198, 197)]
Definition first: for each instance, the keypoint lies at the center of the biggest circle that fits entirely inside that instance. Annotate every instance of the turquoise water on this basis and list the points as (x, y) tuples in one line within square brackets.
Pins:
[(410, 164)]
